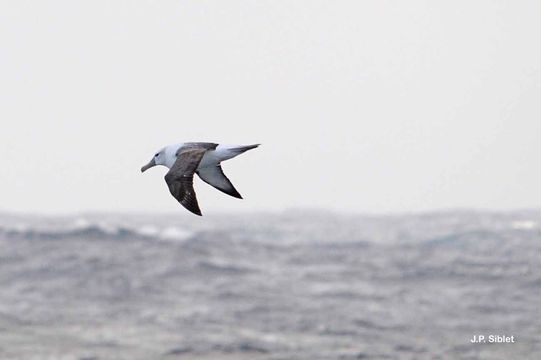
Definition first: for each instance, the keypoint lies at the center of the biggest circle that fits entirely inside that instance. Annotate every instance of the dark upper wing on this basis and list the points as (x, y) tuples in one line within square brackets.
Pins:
[(197, 145), (214, 175), (179, 179)]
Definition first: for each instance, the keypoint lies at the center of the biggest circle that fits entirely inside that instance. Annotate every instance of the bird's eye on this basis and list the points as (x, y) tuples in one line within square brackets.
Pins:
[(156, 155)]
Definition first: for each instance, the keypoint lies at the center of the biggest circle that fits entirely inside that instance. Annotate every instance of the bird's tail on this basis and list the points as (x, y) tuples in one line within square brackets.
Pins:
[(226, 152), (241, 149)]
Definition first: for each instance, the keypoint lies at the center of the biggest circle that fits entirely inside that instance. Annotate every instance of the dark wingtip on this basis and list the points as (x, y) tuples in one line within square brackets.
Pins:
[(233, 193)]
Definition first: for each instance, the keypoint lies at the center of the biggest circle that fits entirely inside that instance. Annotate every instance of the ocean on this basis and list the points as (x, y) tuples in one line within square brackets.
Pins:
[(298, 284)]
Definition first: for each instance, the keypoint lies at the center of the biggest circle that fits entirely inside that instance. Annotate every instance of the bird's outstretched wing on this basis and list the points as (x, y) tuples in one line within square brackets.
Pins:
[(179, 179), (214, 176)]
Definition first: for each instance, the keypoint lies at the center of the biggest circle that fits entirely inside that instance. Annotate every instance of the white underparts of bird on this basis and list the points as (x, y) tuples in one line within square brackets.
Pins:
[(201, 158)]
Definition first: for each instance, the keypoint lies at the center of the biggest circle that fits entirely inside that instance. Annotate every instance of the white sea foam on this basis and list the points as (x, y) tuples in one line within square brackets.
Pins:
[(173, 233), (524, 225), (80, 223), (148, 230)]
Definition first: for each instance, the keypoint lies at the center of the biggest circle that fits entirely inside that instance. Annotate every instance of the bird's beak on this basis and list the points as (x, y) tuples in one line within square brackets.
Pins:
[(148, 166)]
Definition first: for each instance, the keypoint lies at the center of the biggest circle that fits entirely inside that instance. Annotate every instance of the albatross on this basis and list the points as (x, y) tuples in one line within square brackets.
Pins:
[(201, 158)]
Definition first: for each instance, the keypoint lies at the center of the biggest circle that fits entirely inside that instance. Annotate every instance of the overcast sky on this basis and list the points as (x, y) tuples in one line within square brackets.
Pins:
[(366, 106)]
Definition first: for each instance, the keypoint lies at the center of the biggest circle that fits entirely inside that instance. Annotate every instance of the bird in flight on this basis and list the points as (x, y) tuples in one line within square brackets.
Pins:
[(201, 158)]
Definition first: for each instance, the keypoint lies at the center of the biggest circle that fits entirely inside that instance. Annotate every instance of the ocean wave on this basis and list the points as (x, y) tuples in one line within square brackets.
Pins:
[(84, 229)]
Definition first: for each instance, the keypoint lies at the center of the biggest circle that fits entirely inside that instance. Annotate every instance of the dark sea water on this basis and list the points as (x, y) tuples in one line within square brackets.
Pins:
[(295, 285)]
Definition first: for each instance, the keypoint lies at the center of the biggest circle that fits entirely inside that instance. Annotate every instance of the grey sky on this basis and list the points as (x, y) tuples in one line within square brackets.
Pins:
[(372, 106)]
